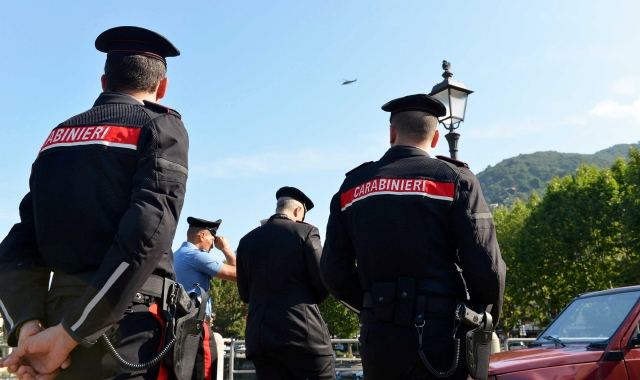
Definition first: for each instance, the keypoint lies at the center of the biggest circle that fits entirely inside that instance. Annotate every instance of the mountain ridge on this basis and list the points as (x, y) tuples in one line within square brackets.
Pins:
[(516, 177)]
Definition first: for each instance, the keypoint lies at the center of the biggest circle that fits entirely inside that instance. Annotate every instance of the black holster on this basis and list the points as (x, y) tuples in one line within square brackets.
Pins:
[(479, 347), (186, 325)]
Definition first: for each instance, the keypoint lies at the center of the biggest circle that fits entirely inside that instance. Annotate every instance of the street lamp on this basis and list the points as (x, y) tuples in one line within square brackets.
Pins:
[(453, 95)]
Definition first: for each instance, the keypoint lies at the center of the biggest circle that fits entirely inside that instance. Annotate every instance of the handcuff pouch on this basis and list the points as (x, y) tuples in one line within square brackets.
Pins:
[(383, 297), (405, 295)]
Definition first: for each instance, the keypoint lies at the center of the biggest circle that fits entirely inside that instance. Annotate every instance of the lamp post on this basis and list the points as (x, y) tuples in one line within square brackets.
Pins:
[(453, 95)]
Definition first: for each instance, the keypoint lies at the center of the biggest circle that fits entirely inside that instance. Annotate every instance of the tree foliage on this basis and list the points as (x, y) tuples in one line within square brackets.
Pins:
[(228, 310), (516, 177), (341, 322), (581, 236), (509, 222)]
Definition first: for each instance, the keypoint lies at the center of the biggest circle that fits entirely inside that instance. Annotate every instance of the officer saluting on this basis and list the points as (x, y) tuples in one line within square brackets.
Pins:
[(195, 266), (279, 276), (420, 231), (106, 191)]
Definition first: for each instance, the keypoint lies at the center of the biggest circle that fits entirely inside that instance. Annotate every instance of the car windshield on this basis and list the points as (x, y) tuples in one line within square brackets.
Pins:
[(590, 319)]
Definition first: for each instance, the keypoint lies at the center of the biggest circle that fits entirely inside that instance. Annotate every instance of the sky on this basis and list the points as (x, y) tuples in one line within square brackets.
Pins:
[(258, 85)]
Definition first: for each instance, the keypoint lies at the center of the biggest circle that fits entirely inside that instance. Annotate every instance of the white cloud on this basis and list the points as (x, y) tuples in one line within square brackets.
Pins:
[(615, 110), (629, 85)]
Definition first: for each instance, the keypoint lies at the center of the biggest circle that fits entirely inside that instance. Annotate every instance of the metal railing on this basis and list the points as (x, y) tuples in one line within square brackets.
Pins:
[(509, 340), (232, 355)]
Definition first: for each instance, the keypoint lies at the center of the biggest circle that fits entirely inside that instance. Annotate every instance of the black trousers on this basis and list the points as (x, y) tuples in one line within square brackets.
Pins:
[(390, 352), (137, 339), (289, 363)]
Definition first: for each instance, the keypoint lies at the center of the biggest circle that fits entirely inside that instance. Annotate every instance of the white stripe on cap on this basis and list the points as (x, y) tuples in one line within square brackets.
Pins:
[(101, 293)]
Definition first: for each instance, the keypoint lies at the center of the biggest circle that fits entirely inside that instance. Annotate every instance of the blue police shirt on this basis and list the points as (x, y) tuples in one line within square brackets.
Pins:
[(195, 266)]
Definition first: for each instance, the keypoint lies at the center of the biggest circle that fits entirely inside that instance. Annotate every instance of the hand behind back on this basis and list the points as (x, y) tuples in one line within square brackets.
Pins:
[(40, 354)]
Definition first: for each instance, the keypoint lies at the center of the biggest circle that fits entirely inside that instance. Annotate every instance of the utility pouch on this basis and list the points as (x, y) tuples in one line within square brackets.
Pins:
[(405, 294), (383, 297), (479, 346)]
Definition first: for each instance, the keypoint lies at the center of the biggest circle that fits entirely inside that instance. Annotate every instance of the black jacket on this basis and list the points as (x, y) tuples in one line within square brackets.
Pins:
[(409, 215), (106, 191), (279, 277)]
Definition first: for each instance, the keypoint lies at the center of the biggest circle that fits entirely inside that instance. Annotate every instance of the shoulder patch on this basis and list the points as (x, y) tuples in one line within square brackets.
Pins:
[(162, 109), (357, 167), (453, 161)]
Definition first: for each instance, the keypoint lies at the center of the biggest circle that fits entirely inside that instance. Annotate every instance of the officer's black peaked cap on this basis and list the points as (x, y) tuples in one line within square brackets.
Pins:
[(296, 194), (206, 224), (133, 40), (417, 102)]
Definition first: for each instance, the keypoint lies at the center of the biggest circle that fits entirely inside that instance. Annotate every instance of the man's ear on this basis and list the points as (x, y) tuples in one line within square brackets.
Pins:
[(162, 88), (436, 136), (103, 80), (393, 134)]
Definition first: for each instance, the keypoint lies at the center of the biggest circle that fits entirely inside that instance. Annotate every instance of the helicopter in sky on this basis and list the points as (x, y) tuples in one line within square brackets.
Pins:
[(347, 81)]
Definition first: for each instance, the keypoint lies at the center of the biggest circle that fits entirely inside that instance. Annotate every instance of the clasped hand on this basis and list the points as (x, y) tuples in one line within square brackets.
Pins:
[(41, 353)]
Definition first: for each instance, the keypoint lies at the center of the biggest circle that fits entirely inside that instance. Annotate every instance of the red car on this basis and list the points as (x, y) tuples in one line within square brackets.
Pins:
[(596, 337)]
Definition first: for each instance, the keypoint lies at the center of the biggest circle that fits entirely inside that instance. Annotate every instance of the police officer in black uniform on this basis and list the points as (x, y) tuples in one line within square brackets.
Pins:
[(106, 191), (279, 277), (423, 239)]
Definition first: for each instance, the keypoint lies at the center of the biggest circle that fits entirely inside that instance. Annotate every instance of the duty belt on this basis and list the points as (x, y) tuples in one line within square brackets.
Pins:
[(402, 303), (74, 285)]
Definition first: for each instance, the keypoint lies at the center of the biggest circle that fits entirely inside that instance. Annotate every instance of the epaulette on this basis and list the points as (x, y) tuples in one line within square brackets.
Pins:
[(162, 109), (453, 161), (308, 224), (357, 167)]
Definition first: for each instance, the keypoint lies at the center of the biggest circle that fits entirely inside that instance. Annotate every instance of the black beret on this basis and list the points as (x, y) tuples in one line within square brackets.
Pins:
[(296, 194), (133, 40), (211, 226), (417, 102)]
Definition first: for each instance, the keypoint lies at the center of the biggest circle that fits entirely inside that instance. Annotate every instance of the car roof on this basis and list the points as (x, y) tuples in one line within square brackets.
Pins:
[(625, 289)]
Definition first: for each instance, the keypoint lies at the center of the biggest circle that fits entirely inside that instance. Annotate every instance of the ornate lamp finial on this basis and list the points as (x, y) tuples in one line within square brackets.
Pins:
[(446, 66)]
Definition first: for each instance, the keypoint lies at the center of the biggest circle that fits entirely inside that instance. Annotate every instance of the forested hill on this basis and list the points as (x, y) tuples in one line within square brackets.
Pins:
[(516, 177)]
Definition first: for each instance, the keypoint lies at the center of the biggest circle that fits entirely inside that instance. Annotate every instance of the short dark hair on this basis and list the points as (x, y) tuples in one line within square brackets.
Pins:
[(133, 73), (416, 125), (193, 231)]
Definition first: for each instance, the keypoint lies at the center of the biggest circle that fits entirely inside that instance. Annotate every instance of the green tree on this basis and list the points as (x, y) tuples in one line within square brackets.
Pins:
[(569, 243), (228, 310), (341, 322), (509, 223), (583, 235), (628, 175)]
